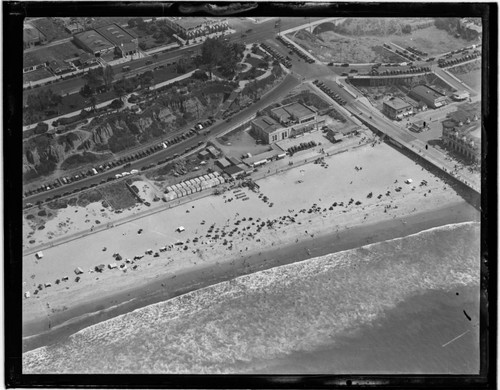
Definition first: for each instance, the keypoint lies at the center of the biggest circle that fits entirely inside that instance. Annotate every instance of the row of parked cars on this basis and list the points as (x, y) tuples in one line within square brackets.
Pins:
[(286, 61), (294, 49), (329, 92), (412, 69), (443, 63), (125, 161)]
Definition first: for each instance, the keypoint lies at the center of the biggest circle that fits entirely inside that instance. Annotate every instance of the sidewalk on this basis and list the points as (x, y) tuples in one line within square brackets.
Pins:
[(55, 78), (74, 113)]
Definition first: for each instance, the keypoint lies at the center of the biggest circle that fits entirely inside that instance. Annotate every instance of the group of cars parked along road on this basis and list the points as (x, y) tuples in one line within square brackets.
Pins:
[(293, 49), (125, 161), (286, 61), (329, 92)]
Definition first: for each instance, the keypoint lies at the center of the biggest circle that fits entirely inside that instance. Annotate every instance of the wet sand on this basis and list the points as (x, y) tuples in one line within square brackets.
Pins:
[(87, 313)]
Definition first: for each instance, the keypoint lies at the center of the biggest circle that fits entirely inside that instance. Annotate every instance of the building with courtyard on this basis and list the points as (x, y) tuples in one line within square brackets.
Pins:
[(188, 28), (428, 95), (397, 108), (462, 133)]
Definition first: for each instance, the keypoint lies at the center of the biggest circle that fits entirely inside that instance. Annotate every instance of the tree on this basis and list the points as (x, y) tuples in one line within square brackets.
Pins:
[(92, 103), (107, 76), (119, 89), (116, 104), (86, 91), (94, 78), (406, 29)]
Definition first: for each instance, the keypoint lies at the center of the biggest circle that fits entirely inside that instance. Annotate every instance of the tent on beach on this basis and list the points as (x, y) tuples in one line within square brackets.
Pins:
[(78, 271), (180, 229), (112, 266), (39, 255)]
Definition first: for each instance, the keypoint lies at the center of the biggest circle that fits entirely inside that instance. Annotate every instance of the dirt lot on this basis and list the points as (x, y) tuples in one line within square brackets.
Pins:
[(470, 74), (330, 46), (118, 196), (239, 142)]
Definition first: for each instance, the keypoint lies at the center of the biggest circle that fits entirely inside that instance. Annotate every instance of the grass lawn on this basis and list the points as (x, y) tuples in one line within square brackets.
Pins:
[(148, 39), (251, 74), (50, 29), (57, 53), (256, 62), (38, 74), (118, 195)]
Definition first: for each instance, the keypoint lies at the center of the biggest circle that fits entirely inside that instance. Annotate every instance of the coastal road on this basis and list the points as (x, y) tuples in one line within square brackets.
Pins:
[(277, 93)]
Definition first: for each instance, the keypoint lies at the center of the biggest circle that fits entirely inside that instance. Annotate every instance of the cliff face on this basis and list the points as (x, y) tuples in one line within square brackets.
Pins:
[(101, 134)]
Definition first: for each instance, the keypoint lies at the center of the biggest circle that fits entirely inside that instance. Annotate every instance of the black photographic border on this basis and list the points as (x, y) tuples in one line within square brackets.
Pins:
[(13, 15)]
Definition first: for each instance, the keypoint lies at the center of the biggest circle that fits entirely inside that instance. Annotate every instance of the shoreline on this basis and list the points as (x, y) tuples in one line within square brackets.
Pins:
[(160, 289)]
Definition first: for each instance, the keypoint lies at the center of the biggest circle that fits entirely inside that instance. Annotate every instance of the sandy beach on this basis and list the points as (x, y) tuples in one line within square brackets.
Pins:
[(309, 211)]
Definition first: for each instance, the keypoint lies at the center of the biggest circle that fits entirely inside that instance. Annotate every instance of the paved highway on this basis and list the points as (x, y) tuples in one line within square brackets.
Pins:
[(281, 90), (259, 33), (301, 71)]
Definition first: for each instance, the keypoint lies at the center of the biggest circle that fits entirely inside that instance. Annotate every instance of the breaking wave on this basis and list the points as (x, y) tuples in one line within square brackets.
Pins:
[(272, 313)]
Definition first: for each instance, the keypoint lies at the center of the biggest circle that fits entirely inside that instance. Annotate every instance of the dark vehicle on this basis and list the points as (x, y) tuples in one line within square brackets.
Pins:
[(345, 65), (149, 62), (127, 165)]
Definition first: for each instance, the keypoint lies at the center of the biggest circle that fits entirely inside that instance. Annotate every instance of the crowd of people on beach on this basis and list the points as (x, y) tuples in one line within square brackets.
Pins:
[(242, 228)]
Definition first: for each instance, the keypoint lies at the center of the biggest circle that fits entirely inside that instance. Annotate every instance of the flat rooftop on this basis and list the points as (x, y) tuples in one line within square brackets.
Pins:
[(424, 90), (115, 34), (299, 110), (266, 123), (281, 113), (93, 40), (397, 103)]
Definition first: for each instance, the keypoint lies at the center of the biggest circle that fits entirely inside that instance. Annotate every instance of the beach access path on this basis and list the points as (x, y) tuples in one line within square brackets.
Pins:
[(312, 188)]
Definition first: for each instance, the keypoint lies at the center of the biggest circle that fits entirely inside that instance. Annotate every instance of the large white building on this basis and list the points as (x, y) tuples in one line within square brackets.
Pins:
[(192, 27)]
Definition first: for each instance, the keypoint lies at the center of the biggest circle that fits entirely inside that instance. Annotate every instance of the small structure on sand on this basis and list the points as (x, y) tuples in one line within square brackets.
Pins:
[(39, 255), (78, 271), (180, 229)]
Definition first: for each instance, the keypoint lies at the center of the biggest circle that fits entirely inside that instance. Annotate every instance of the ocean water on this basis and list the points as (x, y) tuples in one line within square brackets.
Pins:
[(389, 307)]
